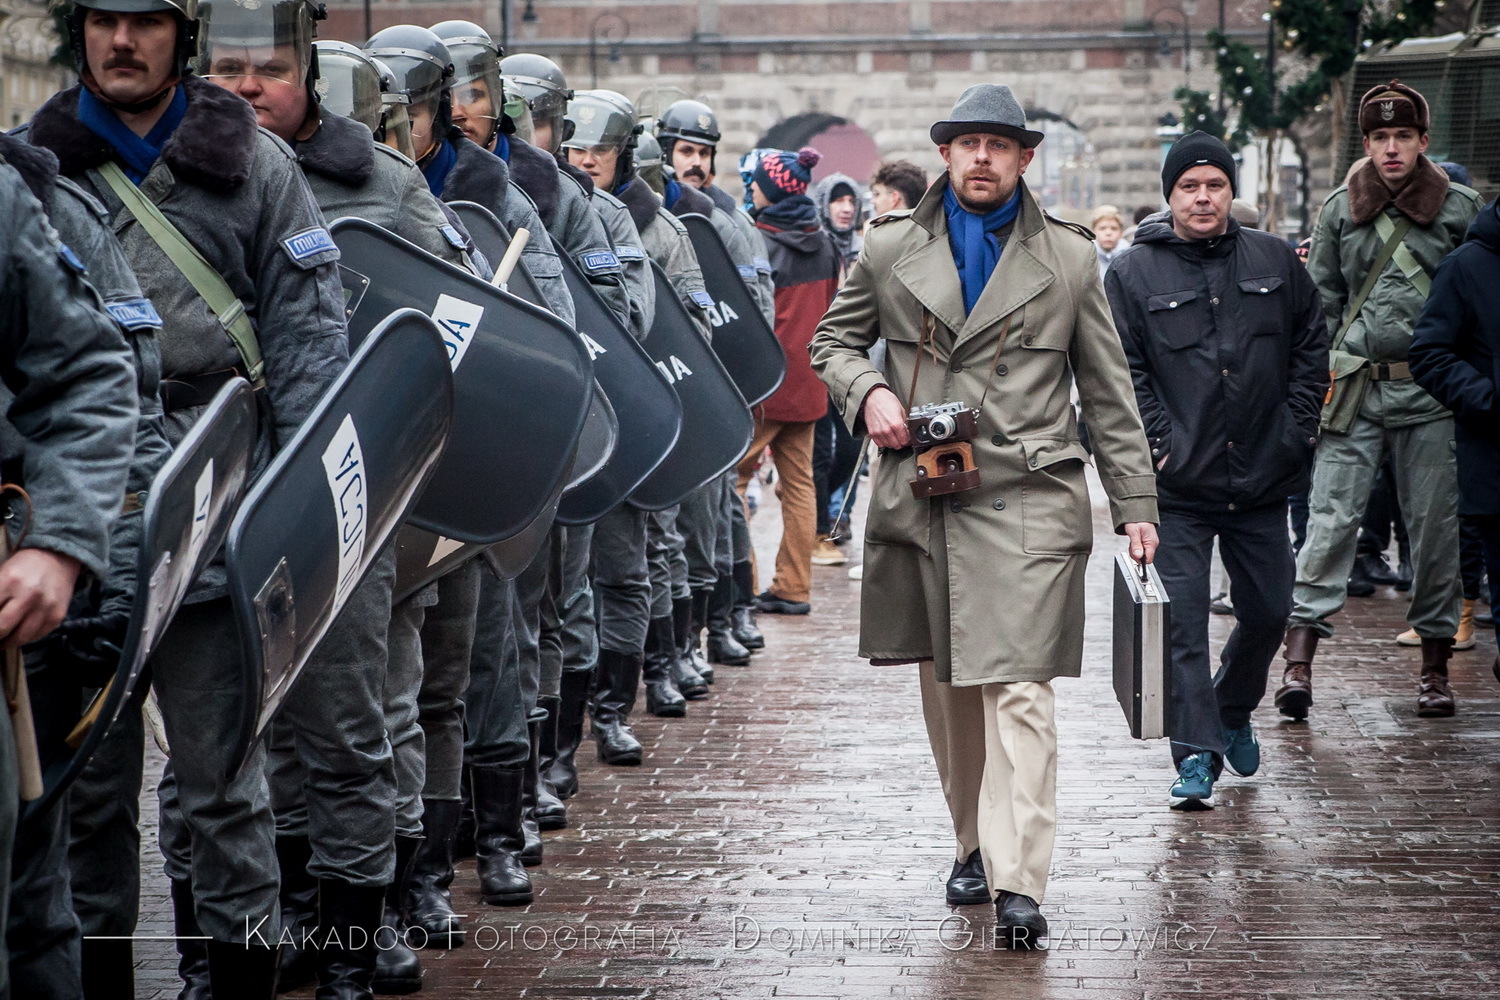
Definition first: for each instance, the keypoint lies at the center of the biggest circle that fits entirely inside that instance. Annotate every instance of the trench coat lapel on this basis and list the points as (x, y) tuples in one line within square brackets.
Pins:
[(928, 272), (1020, 276)]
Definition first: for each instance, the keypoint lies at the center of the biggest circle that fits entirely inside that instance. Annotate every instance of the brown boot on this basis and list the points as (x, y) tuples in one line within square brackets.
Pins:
[(1294, 697), (1434, 696)]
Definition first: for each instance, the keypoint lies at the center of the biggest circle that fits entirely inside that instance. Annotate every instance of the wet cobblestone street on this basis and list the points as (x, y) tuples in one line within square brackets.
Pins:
[(789, 839)]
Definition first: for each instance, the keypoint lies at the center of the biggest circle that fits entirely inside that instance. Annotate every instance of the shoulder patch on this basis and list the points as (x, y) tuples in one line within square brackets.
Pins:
[(629, 251), (134, 314), (702, 300), (71, 259), (311, 248), (763, 266), (454, 237), (1081, 230), (599, 261), (747, 271), (889, 217)]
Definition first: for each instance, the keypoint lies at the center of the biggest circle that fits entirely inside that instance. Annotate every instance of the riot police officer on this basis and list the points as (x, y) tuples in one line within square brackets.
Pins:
[(143, 128)]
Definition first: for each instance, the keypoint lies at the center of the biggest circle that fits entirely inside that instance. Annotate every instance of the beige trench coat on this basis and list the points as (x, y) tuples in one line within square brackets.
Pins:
[(988, 583)]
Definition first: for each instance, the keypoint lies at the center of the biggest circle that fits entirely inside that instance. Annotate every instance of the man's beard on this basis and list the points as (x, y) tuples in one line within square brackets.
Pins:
[(987, 203)]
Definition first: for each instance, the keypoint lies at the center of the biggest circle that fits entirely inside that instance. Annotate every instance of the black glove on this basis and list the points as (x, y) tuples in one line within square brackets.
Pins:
[(93, 644)]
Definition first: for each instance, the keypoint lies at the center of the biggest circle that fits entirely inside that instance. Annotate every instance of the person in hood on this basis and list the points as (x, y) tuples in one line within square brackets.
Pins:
[(1455, 356), (1228, 350), (807, 268), (841, 210)]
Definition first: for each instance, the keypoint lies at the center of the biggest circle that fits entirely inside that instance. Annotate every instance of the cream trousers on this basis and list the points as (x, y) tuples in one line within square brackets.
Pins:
[(996, 752)]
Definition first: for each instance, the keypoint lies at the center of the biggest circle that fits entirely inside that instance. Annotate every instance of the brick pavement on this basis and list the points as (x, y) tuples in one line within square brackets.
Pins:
[(788, 839)]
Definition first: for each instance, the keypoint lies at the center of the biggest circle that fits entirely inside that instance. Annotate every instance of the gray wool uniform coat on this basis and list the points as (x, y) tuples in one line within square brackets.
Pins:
[(987, 583)]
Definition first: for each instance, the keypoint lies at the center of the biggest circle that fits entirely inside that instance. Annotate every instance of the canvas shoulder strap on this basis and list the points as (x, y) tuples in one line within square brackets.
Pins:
[(206, 281), (1397, 232), (1405, 260)]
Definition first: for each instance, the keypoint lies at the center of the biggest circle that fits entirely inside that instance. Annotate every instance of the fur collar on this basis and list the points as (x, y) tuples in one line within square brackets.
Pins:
[(1421, 199), (641, 201), (583, 180), (721, 197), (692, 202), (341, 149), (478, 175), (536, 174), (212, 148), (37, 166)]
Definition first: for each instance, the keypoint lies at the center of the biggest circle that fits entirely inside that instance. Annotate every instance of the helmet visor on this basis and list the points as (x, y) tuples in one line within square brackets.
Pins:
[(477, 91), (597, 123), (272, 42), (349, 85)]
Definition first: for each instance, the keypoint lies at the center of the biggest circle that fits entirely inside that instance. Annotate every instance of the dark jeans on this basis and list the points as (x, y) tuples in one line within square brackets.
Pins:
[(1487, 526), (1471, 549), (1258, 557)]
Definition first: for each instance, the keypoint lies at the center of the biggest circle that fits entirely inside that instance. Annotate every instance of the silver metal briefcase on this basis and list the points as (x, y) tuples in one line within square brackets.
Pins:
[(1142, 640)]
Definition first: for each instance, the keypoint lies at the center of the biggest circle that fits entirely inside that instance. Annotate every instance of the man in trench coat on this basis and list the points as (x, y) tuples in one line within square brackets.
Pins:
[(984, 588)]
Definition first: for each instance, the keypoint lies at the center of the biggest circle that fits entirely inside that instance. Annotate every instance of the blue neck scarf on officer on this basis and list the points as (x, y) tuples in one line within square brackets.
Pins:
[(437, 169), (502, 146), (137, 153), (976, 248), (671, 191)]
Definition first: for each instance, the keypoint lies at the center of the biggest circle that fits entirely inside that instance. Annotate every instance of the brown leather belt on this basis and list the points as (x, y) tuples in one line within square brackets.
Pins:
[(187, 391), (1395, 371)]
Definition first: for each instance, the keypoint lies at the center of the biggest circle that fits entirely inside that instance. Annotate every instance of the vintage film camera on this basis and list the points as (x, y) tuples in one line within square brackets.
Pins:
[(940, 433)]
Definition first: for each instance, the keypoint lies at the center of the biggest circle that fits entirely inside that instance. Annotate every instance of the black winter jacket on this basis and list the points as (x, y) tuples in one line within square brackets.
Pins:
[(1455, 356), (1229, 353)]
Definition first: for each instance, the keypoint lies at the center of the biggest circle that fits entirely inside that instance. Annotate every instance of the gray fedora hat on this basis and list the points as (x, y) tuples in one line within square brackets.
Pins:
[(986, 107)]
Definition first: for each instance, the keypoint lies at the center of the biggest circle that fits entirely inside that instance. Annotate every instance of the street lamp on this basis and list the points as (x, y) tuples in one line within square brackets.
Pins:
[(1164, 37), (613, 34)]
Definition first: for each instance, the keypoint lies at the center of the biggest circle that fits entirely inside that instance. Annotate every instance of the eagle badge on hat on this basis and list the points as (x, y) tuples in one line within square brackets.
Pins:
[(585, 114), (1387, 110), (704, 122)]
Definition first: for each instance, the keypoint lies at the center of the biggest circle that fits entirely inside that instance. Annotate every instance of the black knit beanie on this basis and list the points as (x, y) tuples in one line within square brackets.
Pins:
[(1193, 150)]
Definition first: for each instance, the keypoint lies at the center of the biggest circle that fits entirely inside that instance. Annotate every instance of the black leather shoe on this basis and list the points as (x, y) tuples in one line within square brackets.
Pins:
[(574, 697), (723, 647), (499, 836), (694, 651), (531, 854), (686, 672), (1359, 584), (1404, 572), (192, 952), (349, 921), (768, 603), (1019, 924), (744, 627), (967, 885), (551, 812), (299, 913), (618, 675), (1375, 569), (664, 699), (398, 970), (428, 904)]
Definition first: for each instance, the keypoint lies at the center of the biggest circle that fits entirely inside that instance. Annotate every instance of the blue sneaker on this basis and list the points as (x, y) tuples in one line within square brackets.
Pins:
[(1194, 787), (1242, 754)]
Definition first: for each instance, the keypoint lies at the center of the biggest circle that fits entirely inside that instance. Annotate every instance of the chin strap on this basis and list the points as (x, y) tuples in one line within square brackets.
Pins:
[(135, 107)]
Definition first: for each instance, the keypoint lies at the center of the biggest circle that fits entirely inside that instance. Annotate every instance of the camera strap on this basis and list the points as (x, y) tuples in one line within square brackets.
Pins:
[(927, 343)]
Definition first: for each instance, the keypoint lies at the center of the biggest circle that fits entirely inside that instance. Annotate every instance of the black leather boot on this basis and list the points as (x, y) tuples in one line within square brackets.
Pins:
[(744, 628), (690, 680), (663, 699), (236, 972), (574, 697), (498, 835), (695, 634), (1019, 924), (1405, 574), (428, 904), (463, 840), (723, 647), (299, 913), (192, 950), (108, 969), (531, 854), (349, 921), (551, 813), (398, 970), (967, 885), (617, 677), (1294, 697)]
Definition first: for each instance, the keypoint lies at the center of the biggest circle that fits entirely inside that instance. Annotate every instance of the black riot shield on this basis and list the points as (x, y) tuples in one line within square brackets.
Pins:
[(522, 383), (649, 413), (187, 513), (744, 343), (716, 424), (330, 501), (601, 429)]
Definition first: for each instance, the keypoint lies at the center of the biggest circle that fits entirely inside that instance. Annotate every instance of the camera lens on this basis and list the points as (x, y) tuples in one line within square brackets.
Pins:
[(941, 427)]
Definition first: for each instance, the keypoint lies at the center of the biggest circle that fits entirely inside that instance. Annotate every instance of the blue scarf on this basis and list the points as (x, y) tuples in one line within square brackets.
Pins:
[(671, 191), (137, 154), (976, 248), (502, 146), (439, 167)]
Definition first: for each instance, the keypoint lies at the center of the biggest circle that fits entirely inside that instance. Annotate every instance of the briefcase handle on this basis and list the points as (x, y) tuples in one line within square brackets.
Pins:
[(1148, 586)]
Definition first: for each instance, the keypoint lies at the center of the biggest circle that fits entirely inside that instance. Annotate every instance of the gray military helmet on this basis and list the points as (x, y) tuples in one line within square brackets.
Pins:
[(348, 84), (540, 83), (690, 120), (476, 68), (423, 71), (601, 118), (272, 41), (185, 11), (648, 161), (395, 124)]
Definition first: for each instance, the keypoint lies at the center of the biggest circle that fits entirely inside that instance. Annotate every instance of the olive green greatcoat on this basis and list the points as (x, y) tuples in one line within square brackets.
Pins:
[(987, 583)]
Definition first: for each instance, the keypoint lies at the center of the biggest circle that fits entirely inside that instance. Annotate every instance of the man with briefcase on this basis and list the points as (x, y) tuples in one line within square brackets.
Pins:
[(1225, 336), (980, 522)]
